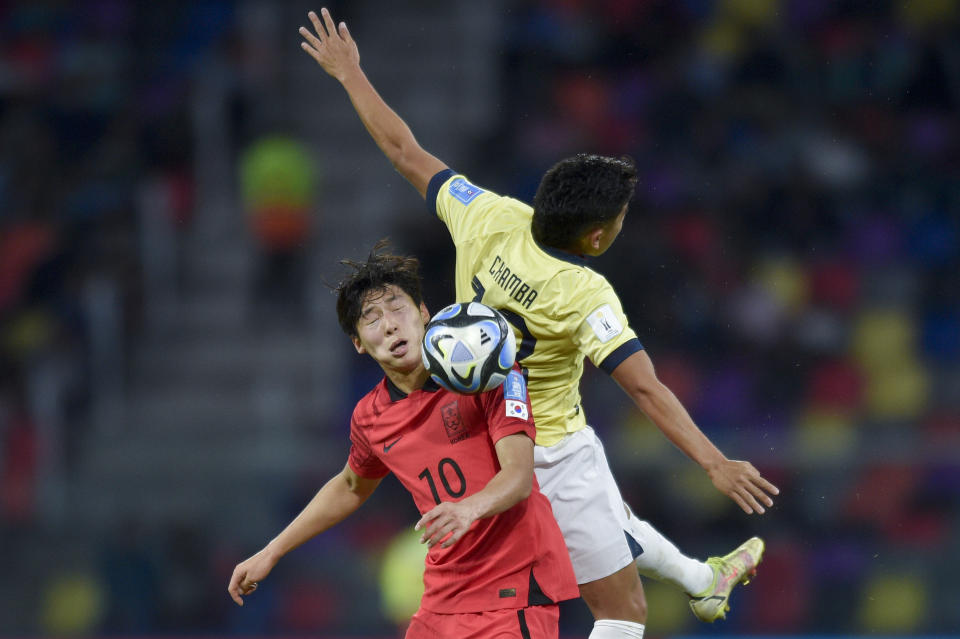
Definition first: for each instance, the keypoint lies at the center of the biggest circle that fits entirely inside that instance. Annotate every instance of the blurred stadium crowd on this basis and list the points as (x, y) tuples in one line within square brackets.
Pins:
[(791, 261)]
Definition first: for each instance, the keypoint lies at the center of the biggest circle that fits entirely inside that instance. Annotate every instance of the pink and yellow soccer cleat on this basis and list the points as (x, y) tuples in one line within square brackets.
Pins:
[(728, 571)]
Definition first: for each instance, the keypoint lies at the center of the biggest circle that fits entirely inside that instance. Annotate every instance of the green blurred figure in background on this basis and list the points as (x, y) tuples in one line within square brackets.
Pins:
[(278, 185)]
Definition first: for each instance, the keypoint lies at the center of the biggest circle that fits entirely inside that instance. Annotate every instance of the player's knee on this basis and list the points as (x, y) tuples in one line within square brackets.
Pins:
[(636, 603)]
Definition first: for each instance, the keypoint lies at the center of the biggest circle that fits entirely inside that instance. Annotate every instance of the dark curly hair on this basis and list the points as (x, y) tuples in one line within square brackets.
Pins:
[(578, 195), (372, 276)]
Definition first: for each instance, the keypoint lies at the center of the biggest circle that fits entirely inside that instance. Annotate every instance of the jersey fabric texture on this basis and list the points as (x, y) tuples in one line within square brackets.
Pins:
[(536, 622), (561, 309), (440, 445)]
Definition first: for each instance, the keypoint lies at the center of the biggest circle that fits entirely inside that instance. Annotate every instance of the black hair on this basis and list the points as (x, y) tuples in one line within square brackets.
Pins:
[(379, 271), (580, 194)]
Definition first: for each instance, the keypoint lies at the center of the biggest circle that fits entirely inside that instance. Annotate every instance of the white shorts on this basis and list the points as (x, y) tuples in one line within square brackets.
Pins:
[(575, 477)]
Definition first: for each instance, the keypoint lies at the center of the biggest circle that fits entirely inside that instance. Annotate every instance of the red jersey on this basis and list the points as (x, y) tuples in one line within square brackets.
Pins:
[(440, 445)]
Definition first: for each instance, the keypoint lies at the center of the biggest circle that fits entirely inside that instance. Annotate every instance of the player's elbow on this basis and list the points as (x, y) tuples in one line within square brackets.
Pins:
[(638, 380), (525, 484), (519, 486), (517, 495), (401, 153), (408, 157), (352, 481), (361, 488), (524, 491), (646, 393)]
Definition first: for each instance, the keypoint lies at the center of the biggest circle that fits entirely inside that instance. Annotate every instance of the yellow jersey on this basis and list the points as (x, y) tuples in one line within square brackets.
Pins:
[(561, 309)]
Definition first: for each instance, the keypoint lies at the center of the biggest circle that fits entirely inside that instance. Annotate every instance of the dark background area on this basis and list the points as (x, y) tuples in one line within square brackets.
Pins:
[(178, 182)]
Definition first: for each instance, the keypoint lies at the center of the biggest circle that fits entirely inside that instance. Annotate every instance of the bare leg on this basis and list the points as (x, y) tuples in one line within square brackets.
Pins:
[(617, 597)]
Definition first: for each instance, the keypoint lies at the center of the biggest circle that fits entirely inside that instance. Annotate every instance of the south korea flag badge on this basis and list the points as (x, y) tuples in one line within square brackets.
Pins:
[(517, 409)]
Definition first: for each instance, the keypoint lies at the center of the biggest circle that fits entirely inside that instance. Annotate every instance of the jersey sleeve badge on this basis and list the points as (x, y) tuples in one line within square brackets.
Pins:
[(514, 387), (464, 191), (517, 409), (604, 323)]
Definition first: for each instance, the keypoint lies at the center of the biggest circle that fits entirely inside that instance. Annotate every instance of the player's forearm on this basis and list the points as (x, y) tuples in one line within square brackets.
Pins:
[(665, 410), (637, 378), (506, 489), (387, 129), (332, 504)]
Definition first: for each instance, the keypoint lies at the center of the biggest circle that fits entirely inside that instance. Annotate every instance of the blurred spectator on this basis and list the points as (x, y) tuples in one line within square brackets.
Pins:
[(131, 578), (188, 595), (19, 462), (278, 182), (73, 604)]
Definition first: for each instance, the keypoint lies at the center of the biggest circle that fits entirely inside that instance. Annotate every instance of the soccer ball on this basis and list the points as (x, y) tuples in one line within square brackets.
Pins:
[(468, 348)]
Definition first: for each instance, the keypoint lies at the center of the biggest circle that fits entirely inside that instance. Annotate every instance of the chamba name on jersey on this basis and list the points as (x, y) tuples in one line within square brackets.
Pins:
[(560, 308)]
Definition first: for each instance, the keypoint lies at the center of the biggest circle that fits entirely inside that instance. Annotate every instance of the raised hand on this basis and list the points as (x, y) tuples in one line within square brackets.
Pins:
[(330, 46), (742, 483)]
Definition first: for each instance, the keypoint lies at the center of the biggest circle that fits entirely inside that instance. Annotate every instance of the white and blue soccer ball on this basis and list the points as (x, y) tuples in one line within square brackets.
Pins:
[(468, 348)]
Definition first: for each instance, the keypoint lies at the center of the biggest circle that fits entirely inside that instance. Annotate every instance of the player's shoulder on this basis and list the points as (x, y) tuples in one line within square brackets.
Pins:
[(450, 187), (461, 189), (572, 290), (574, 275), (371, 405)]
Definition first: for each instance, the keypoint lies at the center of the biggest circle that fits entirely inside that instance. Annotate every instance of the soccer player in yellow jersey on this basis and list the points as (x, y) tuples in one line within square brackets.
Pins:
[(532, 264)]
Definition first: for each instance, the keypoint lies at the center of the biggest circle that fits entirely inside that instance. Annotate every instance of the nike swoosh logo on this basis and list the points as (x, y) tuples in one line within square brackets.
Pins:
[(387, 447), (734, 574)]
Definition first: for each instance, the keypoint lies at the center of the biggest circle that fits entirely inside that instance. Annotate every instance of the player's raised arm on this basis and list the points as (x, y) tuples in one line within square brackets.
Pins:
[(334, 49), (738, 480), (338, 498)]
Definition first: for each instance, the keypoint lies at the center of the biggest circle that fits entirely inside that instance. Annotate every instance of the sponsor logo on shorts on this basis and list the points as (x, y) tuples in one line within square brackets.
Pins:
[(508, 592)]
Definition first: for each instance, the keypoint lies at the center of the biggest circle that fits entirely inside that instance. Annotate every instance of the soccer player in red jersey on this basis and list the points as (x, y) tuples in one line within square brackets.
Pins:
[(497, 563)]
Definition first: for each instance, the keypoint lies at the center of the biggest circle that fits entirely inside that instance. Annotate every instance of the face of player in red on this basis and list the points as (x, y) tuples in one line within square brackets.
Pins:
[(390, 329)]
